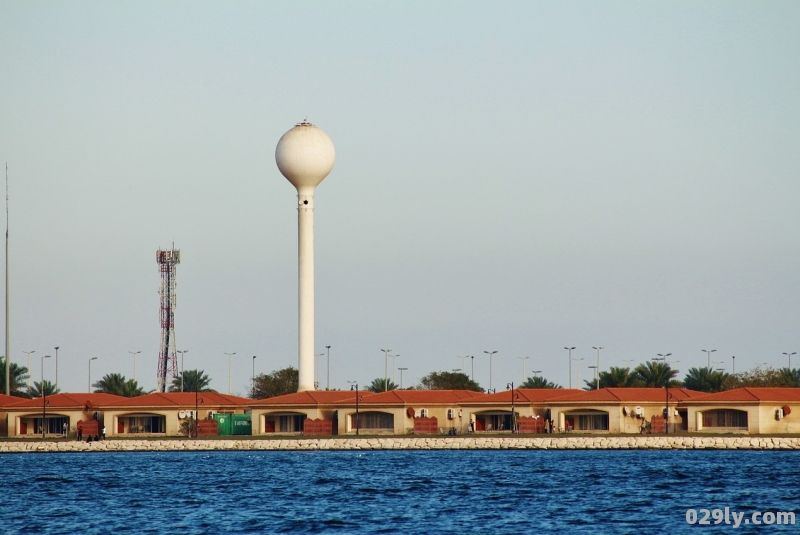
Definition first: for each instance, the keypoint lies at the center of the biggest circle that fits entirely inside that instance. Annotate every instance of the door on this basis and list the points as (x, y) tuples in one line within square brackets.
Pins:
[(480, 424)]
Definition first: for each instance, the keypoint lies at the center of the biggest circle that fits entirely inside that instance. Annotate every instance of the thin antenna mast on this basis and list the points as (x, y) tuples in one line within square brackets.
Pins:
[(8, 350)]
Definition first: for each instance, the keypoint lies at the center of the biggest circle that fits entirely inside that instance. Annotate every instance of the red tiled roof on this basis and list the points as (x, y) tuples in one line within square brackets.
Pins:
[(308, 397), (6, 401), (752, 394), (631, 395), (421, 396), (69, 400), (180, 399), (530, 395)]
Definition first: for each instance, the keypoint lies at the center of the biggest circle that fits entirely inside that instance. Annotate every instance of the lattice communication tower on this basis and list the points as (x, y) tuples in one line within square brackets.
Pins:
[(167, 361)]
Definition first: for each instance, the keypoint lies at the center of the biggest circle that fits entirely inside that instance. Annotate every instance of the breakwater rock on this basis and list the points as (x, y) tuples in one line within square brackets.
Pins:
[(475, 442)]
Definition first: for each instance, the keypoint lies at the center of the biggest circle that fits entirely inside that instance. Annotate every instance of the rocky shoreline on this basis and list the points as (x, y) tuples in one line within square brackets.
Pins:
[(412, 443)]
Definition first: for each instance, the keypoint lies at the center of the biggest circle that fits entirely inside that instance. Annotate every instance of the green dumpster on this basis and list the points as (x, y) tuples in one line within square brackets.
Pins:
[(241, 424)]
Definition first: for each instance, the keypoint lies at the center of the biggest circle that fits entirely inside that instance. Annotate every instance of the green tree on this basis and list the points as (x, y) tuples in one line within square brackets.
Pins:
[(193, 381), (19, 378), (618, 377), (448, 381), (653, 374), (45, 387), (706, 380), (537, 381), (759, 376), (115, 383), (277, 383), (789, 378), (379, 385)]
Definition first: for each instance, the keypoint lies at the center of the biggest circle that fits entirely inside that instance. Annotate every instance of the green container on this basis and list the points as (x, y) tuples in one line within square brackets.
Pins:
[(224, 424), (241, 424)]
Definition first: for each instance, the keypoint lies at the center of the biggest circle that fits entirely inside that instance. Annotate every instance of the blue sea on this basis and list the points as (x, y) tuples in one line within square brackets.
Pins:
[(454, 492)]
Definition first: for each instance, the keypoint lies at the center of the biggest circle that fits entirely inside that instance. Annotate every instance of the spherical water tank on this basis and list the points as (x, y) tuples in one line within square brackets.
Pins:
[(305, 155)]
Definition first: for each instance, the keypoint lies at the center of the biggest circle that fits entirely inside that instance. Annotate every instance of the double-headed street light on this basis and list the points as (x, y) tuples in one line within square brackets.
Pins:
[(230, 367), (29, 365), (708, 355), (596, 377), (90, 373), (386, 369), (523, 359), (569, 349), (790, 358), (44, 398), (354, 386), (134, 353), (490, 353), (182, 353), (401, 376)]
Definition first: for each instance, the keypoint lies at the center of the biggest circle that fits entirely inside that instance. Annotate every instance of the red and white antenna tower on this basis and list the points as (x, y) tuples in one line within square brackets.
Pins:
[(167, 361)]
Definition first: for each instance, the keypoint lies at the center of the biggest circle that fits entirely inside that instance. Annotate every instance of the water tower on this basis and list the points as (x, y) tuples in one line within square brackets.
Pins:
[(305, 156)]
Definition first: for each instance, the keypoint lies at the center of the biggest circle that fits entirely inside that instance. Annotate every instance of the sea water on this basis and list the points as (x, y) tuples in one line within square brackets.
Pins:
[(421, 491)]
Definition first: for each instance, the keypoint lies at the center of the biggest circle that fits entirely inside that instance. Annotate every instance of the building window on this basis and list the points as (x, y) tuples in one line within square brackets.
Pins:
[(375, 420), (725, 418), (291, 423), (147, 424), (593, 422)]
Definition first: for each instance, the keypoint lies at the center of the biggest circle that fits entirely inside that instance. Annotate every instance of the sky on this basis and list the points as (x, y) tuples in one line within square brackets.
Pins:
[(517, 177)]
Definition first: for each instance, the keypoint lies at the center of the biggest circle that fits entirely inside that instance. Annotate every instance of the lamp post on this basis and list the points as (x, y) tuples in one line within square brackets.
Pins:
[(56, 348), (490, 353), (597, 370), (513, 415), (253, 381), (44, 398), (666, 390), (463, 363), (708, 354), (569, 349), (90, 373), (182, 352), (316, 369), (596, 378), (394, 372), (790, 358), (328, 369), (29, 365), (733, 358), (134, 353), (472, 357), (230, 367), (579, 372), (523, 359), (401, 377), (386, 369), (354, 386)]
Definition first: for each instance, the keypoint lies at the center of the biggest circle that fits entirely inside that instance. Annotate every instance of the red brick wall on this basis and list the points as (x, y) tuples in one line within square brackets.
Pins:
[(529, 424), (322, 426), (207, 428), (657, 424), (426, 426)]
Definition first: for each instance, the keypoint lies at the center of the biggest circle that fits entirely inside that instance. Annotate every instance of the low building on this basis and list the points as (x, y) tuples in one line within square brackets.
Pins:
[(168, 413), (287, 414), (59, 413), (751, 410)]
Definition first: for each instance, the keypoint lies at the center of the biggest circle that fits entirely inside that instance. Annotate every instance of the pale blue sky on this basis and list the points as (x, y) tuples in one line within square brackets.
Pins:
[(515, 176)]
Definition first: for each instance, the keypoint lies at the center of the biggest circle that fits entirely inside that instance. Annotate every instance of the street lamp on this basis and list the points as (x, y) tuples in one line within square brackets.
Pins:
[(394, 373), (182, 352), (328, 369), (56, 348), (569, 349), (44, 398), (708, 354), (472, 357), (790, 358), (386, 369), (490, 353), (510, 386), (666, 389), (401, 377), (596, 378), (733, 358), (29, 365), (597, 371), (316, 369), (354, 386), (579, 373), (230, 367), (90, 373), (523, 359), (253, 383), (463, 363), (134, 353)]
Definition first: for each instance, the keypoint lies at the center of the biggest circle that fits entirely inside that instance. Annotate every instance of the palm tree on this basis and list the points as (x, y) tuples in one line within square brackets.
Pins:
[(537, 381), (115, 383), (656, 374), (381, 385), (616, 377), (45, 387), (706, 380), (193, 381), (19, 378), (789, 378)]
